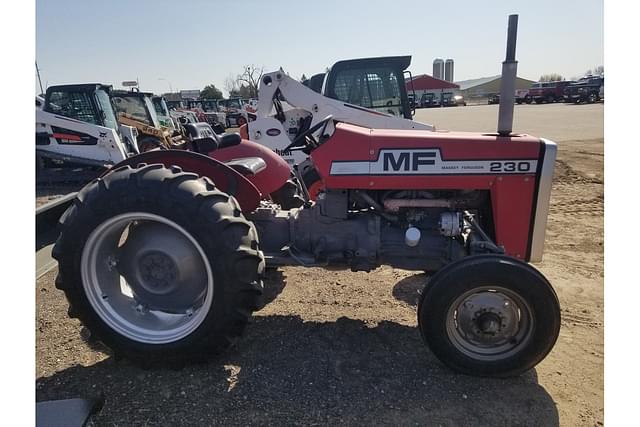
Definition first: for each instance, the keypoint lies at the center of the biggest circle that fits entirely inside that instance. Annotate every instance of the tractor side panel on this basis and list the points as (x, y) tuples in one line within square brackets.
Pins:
[(225, 178), (422, 160), (269, 180)]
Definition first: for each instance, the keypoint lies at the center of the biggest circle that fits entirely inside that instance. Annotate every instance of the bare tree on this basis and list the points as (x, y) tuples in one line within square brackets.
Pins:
[(231, 84), (251, 76), (552, 77), (595, 72)]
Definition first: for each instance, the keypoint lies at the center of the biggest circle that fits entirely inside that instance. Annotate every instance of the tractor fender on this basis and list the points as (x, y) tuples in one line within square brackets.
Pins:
[(269, 180), (225, 178)]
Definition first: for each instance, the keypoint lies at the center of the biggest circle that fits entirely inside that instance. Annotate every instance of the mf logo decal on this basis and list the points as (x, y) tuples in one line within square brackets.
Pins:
[(428, 162), (406, 160)]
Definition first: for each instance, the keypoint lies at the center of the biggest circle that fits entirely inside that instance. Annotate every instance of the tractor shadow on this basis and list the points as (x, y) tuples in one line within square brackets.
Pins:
[(274, 284), (409, 289), (288, 371)]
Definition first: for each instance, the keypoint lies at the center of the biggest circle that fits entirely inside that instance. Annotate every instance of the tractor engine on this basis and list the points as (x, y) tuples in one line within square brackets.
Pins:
[(362, 230)]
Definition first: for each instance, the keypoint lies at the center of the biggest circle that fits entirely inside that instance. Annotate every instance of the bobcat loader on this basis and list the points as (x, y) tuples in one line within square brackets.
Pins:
[(136, 109), (76, 123)]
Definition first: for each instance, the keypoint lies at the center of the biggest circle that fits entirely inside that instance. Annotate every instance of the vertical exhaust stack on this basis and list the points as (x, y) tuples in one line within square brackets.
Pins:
[(508, 81)]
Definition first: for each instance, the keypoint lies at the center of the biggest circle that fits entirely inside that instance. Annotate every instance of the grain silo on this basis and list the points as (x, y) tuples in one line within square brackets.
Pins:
[(438, 68), (448, 70)]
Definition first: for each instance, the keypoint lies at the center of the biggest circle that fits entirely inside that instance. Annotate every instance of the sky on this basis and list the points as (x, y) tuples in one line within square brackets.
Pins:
[(187, 45)]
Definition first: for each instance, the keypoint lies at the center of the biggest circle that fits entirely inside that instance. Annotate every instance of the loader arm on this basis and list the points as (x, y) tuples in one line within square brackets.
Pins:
[(300, 96), (278, 130), (161, 133)]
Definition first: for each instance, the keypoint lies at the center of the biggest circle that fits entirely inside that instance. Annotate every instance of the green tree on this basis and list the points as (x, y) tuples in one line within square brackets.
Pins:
[(553, 77), (211, 92)]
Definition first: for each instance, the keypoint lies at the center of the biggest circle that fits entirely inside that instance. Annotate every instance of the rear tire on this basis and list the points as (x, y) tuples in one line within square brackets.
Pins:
[(208, 218), (489, 315)]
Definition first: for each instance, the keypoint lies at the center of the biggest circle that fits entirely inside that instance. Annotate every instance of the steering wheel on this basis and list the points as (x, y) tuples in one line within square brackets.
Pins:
[(300, 143)]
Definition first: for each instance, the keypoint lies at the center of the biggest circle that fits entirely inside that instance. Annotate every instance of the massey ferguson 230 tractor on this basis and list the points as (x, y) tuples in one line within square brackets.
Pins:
[(162, 257)]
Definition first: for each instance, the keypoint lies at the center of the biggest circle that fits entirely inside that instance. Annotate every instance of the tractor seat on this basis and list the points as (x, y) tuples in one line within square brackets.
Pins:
[(228, 139), (205, 140)]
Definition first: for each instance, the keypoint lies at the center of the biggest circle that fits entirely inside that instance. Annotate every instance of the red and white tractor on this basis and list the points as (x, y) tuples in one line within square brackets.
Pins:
[(162, 258)]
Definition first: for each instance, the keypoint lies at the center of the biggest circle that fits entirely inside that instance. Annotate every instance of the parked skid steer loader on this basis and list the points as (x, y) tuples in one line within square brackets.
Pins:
[(136, 109), (367, 92), (76, 123), (376, 83), (163, 257)]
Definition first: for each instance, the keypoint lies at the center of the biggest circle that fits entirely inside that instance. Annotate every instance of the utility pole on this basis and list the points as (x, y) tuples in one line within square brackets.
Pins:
[(39, 80)]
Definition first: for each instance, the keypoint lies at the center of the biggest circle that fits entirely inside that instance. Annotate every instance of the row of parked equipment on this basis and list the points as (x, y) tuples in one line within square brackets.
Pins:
[(588, 89), (93, 124), (232, 112)]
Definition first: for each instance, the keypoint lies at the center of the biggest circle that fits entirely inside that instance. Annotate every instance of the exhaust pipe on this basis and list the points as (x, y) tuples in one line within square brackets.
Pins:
[(508, 81)]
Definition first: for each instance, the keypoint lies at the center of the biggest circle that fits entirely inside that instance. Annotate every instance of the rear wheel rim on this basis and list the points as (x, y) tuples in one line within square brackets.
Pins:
[(142, 287), (489, 323)]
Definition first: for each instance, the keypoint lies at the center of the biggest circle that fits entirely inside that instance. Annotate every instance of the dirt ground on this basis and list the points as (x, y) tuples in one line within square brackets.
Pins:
[(335, 347)]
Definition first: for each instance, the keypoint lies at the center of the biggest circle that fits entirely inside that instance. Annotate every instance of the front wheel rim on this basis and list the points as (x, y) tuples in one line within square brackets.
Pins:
[(489, 323), (147, 278)]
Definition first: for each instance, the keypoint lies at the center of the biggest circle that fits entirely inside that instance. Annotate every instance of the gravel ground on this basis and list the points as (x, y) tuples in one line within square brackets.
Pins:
[(336, 347)]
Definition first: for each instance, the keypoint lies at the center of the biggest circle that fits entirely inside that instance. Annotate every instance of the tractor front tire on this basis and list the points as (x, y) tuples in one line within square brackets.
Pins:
[(489, 315), (159, 265)]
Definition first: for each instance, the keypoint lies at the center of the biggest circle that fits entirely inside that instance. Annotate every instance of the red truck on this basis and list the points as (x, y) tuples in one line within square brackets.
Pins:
[(548, 91)]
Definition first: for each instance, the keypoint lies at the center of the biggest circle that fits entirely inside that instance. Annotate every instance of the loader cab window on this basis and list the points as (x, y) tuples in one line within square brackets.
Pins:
[(316, 82), (75, 105), (136, 107), (104, 105), (234, 103), (162, 111), (376, 88), (210, 106)]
